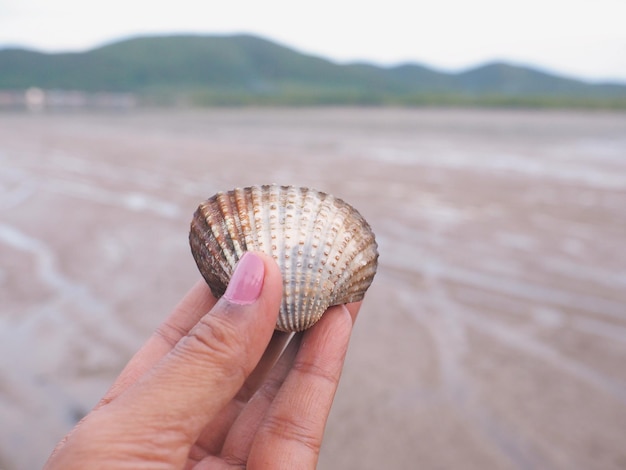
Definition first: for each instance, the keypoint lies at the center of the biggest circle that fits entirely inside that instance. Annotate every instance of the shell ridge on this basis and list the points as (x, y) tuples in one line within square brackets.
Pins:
[(354, 288), (310, 207), (209, 262), (317, 234), (226, 241), (298, 250), (335, 243), (293, 212), (237, 231), (322, 228), (204, 234), (259, 237), (345, 254), (290, 274), (354, 258), (277, 221), (215, 222), (251, 234)]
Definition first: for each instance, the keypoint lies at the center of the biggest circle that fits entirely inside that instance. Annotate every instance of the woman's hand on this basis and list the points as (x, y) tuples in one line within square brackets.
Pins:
[(213, 391)]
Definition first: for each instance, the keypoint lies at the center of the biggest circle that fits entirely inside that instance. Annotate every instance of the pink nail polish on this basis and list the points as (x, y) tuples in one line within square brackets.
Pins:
[(247, 280)]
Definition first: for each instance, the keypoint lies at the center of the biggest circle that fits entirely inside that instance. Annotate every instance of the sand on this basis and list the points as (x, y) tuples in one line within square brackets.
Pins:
[(494, 335)]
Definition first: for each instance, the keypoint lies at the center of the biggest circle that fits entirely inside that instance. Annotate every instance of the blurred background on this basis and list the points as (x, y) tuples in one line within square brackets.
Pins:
[(484, 142)]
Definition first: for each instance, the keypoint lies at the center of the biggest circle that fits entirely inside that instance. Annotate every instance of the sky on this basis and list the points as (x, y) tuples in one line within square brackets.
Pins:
[(579, 38)]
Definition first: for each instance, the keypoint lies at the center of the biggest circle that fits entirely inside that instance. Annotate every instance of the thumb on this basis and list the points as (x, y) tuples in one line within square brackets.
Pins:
[(206, 368)]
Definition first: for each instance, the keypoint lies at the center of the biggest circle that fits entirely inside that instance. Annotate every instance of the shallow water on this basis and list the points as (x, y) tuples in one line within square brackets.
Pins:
[(494, 335)]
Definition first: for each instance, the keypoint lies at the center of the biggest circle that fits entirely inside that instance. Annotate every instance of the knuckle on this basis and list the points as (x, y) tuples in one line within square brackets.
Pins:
[(316, 371), (216, 340), (169, 333), (285, 428)]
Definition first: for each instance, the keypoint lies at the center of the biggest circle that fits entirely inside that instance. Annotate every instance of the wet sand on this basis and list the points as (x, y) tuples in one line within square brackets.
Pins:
[(494, 335)]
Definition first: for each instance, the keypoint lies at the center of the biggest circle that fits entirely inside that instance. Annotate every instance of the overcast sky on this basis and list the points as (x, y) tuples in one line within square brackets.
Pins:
[(583, 38)]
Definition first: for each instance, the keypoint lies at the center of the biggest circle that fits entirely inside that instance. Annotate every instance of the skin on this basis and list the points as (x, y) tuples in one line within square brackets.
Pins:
[(213, 391)]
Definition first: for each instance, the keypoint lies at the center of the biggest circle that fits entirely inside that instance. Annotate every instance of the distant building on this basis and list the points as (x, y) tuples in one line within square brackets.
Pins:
[(36, 100)]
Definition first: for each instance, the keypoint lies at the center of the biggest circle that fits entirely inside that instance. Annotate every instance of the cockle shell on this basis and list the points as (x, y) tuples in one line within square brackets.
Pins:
[(325, 249)]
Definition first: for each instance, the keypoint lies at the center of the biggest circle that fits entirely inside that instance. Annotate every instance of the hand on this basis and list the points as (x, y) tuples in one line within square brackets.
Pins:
[(213, 391)]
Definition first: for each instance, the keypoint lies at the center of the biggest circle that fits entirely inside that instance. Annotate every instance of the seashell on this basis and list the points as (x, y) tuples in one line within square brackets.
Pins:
[(325, 249)]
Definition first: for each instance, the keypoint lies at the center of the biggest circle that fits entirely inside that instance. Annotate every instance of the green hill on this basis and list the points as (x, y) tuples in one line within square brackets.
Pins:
[(243, 69)]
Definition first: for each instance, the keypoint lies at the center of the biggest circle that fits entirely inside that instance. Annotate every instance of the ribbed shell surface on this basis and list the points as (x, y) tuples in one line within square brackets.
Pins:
[(325, 249)]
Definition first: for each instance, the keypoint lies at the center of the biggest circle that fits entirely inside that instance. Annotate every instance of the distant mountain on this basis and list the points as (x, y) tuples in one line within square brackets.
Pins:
[(243, 69)]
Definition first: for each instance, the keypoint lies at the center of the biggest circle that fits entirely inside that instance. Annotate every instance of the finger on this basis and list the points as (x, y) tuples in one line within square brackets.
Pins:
[(211, 440), (291, 433), (207, 367), (196, 303), (237, 446)]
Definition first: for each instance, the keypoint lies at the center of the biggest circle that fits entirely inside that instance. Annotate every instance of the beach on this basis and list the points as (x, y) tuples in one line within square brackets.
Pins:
[(493, 336)]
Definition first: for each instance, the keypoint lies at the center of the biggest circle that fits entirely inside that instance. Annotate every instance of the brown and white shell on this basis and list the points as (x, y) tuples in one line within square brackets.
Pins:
[(325, 249)]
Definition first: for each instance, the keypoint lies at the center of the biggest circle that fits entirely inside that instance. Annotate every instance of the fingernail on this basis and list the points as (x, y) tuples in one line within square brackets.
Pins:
[(247, 280)]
